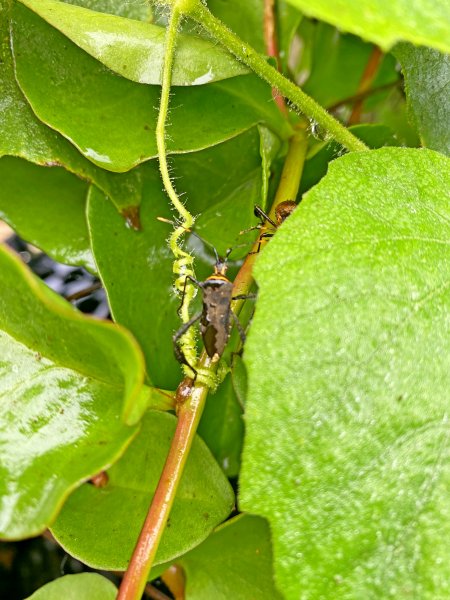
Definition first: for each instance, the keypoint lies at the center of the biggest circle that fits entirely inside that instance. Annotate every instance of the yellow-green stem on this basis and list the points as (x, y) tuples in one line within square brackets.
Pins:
[(184, 262)]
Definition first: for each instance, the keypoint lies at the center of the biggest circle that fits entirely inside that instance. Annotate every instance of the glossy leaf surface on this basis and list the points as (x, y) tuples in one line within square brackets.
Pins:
[(427, 76), (64, 381), (22, 134), (135, 49), (355, 450), (118, 510), (385, 23), (112, 120), (47, 208), (85, 586)]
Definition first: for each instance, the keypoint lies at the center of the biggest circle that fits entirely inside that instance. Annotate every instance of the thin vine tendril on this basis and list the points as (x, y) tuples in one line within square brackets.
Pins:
[(183, 265)]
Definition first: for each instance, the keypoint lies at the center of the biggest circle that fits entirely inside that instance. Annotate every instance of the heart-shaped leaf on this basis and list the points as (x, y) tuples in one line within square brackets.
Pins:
[(385, 23), (347, 406), (65, 380), (135, 49), (85, 586), (204, 499)]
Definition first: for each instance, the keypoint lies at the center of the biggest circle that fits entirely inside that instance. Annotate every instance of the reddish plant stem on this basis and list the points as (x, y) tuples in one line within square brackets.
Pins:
[(367, 79), (363, 95), (271, 43), (154, 593)]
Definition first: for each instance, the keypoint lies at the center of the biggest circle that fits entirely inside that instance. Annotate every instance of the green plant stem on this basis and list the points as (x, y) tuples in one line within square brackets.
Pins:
[(286, 88)]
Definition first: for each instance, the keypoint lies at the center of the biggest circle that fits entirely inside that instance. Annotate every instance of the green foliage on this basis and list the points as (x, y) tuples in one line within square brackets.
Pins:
[(204, 499), (355, 451), (337, 405), (384, 23), (72, 587)]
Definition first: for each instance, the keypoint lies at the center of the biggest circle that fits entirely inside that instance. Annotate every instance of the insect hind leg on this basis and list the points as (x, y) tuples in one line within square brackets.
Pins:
[(179, 354)]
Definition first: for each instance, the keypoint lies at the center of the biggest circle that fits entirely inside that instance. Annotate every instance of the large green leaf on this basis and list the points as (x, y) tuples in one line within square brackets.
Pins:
[(112, 120), (22, 134), (135, 49), (347, 405), (47, 208), (204, 499), (234, 562), (64, 381), (427, 77), (85, 586), (384, 23)]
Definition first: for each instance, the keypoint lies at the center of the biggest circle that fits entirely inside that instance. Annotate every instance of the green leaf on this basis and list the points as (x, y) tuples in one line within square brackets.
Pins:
[(131, 9), (288, 19), (316, 166), (204, 499), (136, 270), (234, 562), (85, 586), (243, 18), (135, 49), (47, 208), (347, 406), (385, 23), (427, 76), (112, 120), (222, 427), (23, 135), (64, 381)]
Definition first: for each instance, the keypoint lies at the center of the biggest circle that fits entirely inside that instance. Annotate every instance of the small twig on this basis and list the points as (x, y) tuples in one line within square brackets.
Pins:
[(154, 593), (85, 292), (271, 43), (366, 81), (363, 95)]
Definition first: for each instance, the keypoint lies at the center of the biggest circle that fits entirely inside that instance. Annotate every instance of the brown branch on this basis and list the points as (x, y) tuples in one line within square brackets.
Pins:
[(363, 95)]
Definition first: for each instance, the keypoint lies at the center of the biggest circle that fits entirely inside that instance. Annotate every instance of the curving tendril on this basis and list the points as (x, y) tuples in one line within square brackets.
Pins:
[(184, 262)]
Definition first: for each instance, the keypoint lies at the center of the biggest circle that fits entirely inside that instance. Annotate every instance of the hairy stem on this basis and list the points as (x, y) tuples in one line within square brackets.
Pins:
[(287, 88), (184, 262)]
